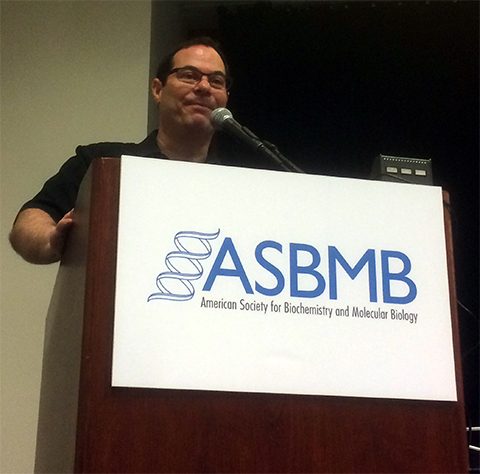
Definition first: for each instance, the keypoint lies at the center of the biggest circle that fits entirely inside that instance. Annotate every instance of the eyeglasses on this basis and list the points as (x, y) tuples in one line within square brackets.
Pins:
[(193, 75)]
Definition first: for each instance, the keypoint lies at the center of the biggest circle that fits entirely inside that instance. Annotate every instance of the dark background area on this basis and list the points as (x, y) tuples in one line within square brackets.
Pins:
[(334, 84)]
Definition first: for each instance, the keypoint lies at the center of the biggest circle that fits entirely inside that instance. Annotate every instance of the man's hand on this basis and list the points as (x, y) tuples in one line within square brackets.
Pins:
[(58, 238), (37, 238)]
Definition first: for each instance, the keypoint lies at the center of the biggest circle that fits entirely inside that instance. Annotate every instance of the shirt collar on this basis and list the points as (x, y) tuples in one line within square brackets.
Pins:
[(149, 148)]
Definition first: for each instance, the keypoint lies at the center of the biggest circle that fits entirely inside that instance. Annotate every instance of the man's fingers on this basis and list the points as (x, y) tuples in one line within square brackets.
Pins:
[(64, 224), (60, 234)]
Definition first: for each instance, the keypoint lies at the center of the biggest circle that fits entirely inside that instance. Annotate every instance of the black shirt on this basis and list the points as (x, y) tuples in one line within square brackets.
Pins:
[(59, 193)]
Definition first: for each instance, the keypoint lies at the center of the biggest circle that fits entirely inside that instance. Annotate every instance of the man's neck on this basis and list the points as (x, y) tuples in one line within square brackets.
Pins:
[(184, 146)]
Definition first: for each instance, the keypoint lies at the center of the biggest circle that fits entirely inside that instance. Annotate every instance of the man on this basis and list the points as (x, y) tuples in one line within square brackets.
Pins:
[(191, 82)]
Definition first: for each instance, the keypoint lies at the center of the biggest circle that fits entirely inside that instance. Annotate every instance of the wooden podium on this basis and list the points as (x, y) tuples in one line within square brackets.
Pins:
[(88, 426)]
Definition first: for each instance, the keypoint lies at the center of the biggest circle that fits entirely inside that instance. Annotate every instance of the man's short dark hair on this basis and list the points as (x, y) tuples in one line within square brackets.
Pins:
[(167, 62)]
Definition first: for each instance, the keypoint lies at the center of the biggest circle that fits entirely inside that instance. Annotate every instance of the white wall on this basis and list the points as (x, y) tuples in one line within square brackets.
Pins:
[(72, 72)]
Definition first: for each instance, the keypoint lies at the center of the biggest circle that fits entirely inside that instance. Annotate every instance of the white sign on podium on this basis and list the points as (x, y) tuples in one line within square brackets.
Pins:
[(262, 281)]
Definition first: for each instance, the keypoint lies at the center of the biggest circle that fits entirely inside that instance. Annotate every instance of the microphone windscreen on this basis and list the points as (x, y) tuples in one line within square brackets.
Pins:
[(218, 117)]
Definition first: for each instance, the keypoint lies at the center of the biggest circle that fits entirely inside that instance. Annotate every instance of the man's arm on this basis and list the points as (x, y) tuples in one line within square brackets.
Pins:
[(38, 238)]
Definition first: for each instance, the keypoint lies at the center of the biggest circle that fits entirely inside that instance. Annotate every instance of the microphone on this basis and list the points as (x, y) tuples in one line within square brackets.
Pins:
[(222, 119)]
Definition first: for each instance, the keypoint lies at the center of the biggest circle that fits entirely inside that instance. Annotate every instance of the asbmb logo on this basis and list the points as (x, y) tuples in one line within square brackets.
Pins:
[(184, 267)]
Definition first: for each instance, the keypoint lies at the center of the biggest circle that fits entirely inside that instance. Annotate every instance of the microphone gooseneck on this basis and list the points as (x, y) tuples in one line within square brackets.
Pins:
[(222, 119)]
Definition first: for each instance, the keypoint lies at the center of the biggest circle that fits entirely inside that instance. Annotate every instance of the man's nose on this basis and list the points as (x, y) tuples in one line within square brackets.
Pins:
[(203, 84)]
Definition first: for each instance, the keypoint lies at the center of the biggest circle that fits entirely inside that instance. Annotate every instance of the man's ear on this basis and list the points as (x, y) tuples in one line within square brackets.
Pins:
[(157, 87)]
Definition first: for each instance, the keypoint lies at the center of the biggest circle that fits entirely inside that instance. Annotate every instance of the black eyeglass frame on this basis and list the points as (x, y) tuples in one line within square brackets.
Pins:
[(228, 81)]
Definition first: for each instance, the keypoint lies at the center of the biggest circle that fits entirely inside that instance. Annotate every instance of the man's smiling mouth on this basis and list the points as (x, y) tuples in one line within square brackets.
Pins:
[(199, 104)]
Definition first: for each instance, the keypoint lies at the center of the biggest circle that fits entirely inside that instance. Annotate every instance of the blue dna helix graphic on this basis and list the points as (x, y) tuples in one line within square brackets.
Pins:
[(188, 260)]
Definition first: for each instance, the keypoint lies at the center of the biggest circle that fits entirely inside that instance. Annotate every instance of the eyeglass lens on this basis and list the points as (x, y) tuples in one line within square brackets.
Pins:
[(192, 75)]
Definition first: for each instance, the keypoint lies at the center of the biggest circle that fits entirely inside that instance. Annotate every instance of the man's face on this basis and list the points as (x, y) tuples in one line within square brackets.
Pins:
[(187, 104)]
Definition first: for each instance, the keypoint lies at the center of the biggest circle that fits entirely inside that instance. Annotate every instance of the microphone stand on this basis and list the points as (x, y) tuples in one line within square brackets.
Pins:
[(271, 151)]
